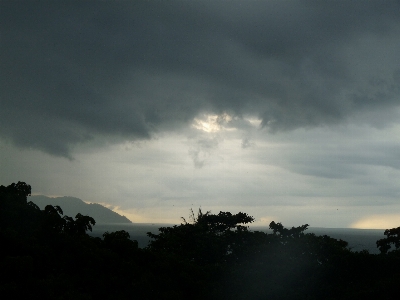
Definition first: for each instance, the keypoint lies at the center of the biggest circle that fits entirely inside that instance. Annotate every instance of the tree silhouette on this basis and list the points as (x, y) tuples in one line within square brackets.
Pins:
[(15, 211), (120, 242), (392, 237), (79, 226), (209, 238), (45, 253)]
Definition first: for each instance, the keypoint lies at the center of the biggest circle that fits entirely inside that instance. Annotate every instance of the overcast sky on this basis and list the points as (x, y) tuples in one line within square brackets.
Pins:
[(286, 110)]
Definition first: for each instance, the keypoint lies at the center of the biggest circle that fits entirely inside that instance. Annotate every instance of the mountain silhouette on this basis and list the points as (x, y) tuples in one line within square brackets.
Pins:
[(71, 206)]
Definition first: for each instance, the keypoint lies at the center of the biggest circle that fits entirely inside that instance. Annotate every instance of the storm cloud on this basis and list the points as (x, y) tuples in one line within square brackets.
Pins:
[(74, 71)]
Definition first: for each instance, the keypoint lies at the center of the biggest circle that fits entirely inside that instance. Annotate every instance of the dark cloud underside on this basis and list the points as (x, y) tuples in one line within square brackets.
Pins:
[(71, 71)]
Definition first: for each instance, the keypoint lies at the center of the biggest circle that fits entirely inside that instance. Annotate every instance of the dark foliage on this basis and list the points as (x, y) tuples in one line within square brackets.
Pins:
[(209, 239), (392, 237), (48, 255)]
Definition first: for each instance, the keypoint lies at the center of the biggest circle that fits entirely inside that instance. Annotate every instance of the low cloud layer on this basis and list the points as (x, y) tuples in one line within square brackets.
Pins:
[(72, 72), (337, 177)]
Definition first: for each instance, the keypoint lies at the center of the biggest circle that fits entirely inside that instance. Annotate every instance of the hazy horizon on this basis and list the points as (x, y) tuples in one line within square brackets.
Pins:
[(285, 110), (253, 226)]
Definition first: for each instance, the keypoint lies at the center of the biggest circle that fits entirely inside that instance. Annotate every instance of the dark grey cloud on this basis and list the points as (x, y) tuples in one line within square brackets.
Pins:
[(71, 71)]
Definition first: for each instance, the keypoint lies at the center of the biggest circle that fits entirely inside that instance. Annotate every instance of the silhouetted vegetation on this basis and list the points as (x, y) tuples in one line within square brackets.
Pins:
[(47, 255), (392, 237)]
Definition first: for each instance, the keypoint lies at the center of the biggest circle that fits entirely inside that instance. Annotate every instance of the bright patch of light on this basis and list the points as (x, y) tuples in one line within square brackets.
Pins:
[(131, 214), (211, 123), (378, 222), (215, 123)]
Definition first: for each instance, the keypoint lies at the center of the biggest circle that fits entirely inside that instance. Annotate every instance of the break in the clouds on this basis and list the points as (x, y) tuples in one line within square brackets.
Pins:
[(75, 71)]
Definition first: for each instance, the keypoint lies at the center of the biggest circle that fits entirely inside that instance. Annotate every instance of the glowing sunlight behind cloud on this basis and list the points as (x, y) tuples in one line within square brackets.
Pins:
[(378, 222), (207, 124), (211, 123)]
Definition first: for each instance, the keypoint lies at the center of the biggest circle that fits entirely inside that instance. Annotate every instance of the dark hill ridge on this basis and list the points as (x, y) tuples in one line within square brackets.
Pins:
[(71, 206)]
